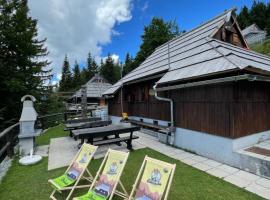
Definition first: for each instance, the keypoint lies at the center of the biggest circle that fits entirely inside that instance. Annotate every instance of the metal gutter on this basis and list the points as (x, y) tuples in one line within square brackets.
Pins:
[(248, 77)]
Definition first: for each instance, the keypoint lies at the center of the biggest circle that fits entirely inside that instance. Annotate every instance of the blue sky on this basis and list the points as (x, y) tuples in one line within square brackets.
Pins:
[(187, 13)]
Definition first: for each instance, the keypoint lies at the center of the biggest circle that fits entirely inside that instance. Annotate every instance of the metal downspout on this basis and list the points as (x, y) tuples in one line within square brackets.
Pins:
[(172, 128)]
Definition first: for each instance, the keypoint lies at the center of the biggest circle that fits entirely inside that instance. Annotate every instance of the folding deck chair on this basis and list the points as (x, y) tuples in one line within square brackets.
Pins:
[(78, 167), (108, 177), (153, 181)]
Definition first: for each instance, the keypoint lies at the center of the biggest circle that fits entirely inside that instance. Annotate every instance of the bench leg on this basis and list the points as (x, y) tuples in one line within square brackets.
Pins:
[(129, 142), (118, 143), (81, 143), (90, 140), (129, 145)]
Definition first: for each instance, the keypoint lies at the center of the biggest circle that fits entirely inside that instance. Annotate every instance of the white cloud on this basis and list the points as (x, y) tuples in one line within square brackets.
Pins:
[(115, 58), (145, 6), (77, 27)]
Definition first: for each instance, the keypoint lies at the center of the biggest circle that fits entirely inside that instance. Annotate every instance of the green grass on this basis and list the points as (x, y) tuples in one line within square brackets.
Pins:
[(30, 182), (263, 48), (54, 132)]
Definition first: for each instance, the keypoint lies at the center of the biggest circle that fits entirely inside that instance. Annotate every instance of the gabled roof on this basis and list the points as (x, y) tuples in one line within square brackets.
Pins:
[(213, 57), (195, 54), (252, 29), (94, 87)]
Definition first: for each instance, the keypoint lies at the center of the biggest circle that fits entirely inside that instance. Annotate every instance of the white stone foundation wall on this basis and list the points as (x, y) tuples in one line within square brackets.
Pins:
[(115, 119)]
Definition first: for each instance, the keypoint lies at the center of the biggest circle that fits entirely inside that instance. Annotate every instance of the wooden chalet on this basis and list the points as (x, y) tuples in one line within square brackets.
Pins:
[(208, 84), (94, 89)]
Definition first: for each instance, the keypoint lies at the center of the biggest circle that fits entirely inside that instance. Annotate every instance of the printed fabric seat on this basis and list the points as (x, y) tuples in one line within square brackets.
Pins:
[(76, 170), (153, 181), (108, 177)]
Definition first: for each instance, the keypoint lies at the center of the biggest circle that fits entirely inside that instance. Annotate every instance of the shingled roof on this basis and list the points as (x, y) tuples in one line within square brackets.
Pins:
[(196, 54), (94, 87)]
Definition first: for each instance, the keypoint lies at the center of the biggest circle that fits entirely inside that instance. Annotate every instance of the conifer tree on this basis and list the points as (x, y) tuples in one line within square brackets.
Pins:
[(110, 70), (66, 80), (84, 75), (128, 65), (23, 64), (258, 14), (76, 76), (92, 67), (155, 34), (243, 18)]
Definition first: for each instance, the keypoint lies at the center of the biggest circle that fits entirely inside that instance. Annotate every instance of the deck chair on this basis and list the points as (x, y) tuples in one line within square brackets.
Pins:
[(108, 177), (153, 181), (75, 172)]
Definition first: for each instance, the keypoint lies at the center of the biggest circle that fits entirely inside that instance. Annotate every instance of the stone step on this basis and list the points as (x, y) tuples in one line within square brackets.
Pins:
[(255, 163)]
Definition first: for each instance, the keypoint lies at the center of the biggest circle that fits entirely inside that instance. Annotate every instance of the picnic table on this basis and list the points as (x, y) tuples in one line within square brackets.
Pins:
[(105, 132), (82, 125)]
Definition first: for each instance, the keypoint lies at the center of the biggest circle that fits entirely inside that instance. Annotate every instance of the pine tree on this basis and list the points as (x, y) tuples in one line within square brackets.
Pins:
[(128, 65), (109, 70), (244, 18), (84, 75), (258, 14), (23, 67), (66, 80), (155, 34), (92, 67), (77, 81)]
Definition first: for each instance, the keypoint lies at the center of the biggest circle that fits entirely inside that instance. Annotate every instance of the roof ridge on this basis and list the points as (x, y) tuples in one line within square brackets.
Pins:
[(197, 27), (209, 42)]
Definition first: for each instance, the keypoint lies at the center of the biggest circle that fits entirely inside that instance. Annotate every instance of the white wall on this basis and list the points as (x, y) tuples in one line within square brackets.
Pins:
[(214, 147), (115, 119)]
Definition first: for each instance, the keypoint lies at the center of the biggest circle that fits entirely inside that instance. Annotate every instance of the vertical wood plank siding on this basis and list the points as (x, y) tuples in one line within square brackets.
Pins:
[(229, 110)]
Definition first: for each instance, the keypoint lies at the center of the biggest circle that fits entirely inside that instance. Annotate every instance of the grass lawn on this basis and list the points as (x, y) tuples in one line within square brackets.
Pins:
[(30, 182), (54, 132)]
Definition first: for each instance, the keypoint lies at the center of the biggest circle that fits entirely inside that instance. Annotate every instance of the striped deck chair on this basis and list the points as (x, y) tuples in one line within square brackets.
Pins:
[(108, 177), (75, 172), (153, 181)]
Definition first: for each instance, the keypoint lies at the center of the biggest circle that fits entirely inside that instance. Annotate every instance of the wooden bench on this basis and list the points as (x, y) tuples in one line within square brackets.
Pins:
[(148, 125), (127, 140)]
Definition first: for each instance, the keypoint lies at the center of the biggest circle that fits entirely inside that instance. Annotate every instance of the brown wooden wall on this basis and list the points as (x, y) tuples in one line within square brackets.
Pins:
[(230, 110)]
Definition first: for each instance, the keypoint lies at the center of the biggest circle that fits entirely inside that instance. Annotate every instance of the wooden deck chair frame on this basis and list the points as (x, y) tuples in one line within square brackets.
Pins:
[(88, 177), (124, 193), (137, 181)]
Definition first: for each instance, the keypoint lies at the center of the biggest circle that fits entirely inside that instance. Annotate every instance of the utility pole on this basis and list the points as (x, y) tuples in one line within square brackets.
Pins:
[(121, 93)]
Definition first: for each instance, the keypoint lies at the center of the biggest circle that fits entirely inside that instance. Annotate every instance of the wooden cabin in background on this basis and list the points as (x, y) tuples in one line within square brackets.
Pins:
[(219, 88), (94, 89)]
